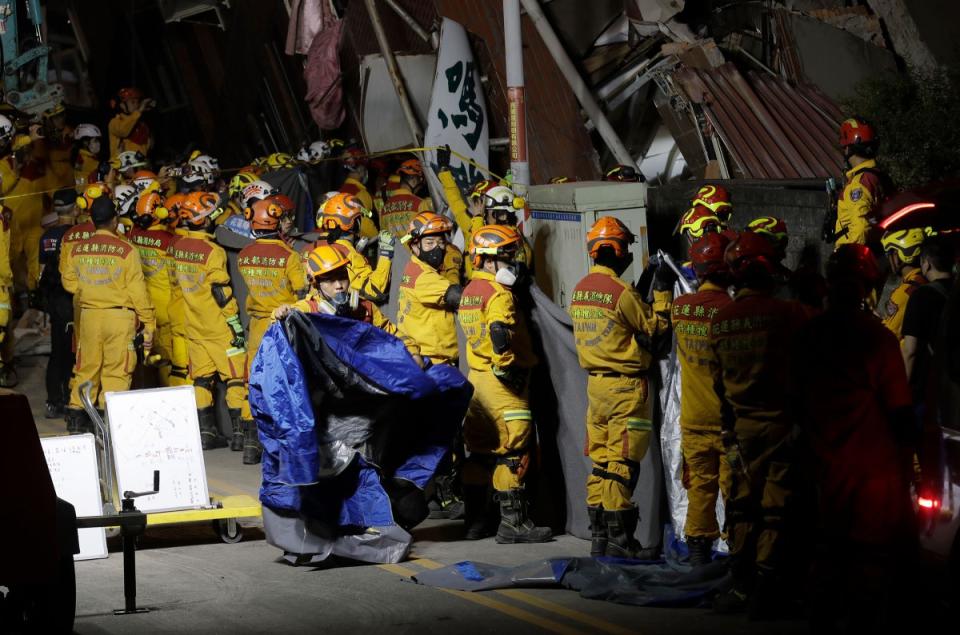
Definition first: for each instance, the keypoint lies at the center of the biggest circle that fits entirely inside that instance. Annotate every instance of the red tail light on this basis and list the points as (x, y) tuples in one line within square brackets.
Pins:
[(928, 503)]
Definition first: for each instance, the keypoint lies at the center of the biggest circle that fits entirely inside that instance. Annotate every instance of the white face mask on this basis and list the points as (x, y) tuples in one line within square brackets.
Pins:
[(94, 146), (506, 276)]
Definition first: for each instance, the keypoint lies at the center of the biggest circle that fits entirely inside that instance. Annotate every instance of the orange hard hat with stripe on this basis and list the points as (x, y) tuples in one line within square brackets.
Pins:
[(609, 232), (197, 207), (325, 260), (499, 241), (341, 211), (150, 208), (410, 167), (427, 224)]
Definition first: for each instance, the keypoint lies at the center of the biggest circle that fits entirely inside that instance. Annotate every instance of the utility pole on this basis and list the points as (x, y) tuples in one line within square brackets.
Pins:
[(516, 103)]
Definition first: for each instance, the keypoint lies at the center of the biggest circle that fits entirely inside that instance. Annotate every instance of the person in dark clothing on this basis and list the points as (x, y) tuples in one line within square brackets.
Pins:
[(921, 322), (853, 403), (58, 305)]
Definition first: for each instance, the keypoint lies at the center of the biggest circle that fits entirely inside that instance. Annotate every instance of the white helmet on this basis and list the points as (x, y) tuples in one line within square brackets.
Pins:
[(6, 128), (316, 151), (201, 168), (86, 131), (125, 197), (500, 197), (145, 183), (258, 190), (128, 160)]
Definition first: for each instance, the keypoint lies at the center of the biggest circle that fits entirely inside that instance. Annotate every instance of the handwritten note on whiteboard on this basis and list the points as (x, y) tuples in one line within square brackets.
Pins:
[(157, 429), (72, 462)]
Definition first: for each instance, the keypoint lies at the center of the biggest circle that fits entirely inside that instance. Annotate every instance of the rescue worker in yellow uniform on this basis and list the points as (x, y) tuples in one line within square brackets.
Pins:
[(498, 428), (614, 331), (428, 300), (355, 184), (273, 272), (404, 203), (179, 356), (8, 377), (152, 236), (705, 469), (128, 132), (55, 149), (217, 347), (87, 139), (902, 248), (23, 180), (865, 185), (106, 278), (339, 220), (750, 340), (331, 293)]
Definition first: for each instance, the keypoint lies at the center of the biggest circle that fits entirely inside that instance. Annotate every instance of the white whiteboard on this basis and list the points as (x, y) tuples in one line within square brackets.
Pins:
[(72, 462), (157, 429)]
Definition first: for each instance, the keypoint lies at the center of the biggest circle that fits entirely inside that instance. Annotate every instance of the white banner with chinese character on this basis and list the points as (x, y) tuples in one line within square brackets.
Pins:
[(458, 111)]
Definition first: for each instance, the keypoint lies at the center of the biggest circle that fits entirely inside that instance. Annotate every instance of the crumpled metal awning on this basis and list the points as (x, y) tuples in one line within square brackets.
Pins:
[(773, 129)]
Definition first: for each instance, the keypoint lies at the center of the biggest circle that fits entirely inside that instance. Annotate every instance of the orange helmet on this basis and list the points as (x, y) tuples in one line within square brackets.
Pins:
[(499, 241), (285, 202), (609, 232), (427, 224), (149, 209), (197, 207), (480, 188), (410, 167), (341, 211), (698, 221), (324, 260), (716, 198), (173, 203), (773, 228), (265, 214), (91, 192), (125, 94)]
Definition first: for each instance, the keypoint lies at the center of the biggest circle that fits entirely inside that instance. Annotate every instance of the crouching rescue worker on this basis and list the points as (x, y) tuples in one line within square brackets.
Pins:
[(902, 248), (705, 469), (106, 278), (217, 346), (750, 340), (498, 428), (614, 330)]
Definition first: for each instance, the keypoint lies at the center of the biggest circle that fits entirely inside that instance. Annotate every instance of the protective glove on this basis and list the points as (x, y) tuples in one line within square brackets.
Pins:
[(513, 377), (664, 278), (238, 341), (443, 158), (387, 244)]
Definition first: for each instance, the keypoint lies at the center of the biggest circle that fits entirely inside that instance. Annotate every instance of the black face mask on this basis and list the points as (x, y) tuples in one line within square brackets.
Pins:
[(503, 217), (341, 304), (434, 257)]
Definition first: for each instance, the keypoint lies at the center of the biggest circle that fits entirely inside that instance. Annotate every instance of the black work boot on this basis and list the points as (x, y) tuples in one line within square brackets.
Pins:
[(598, 532), (701, 551), (621, 525), (476, 516), (445, 502), (252, 450), (76, 420), (515, 525), (210, 437), (237, 439)]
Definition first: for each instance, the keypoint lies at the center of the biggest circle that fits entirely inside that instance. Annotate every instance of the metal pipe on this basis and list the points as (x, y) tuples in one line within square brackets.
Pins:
[(516, 102), (416, 132), (579, 87), (430, 38)]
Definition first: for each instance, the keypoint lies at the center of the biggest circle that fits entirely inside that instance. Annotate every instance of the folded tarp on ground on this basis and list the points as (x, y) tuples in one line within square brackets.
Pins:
[(622, 581), (352, 430)]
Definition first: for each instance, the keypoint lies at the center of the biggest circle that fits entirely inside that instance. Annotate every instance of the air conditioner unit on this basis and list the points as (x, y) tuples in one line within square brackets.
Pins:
[(196, 11)]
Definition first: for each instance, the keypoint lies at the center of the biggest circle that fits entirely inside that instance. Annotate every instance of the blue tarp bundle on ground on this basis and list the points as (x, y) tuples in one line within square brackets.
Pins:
[(352, 430)]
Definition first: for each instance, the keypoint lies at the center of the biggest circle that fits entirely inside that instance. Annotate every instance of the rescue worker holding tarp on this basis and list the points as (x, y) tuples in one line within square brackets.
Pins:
[(705, 469), (272, 271), (498, 428), (179, 357), (902, 248), (152, 237), (217, 346), (403, 203), (339, 217), (865, 187), (749, 342), (614, 331), (106, 278), (428, 300)]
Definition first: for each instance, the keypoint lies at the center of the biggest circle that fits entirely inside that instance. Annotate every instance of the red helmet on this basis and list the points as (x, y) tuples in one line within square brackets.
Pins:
[(856, 131), (749, 252), (352, 157), (716, 198), (707, 255), (480, 188), (771, 227), (623, 174), (854, 263), (698, 221)]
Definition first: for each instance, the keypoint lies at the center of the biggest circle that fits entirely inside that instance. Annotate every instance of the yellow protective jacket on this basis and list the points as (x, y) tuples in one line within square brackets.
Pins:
[(153, 245), (6, 273), (128, 132), (105, 273), (352, 186), (85, 169), (897, 304), (366, 311), (77, 233), (273, 273), (484, 302), (613, 326), (56, 159), (858, 204), (699, 402), (399, 210), (200, 266), (452, 267), (422, 313), (24, 187), (371, 283)]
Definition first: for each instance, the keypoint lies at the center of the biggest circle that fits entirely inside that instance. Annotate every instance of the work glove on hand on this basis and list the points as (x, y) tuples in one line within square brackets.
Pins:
[(664, 278), (513, 377), (387, 244), (238, 341), (443, 158)]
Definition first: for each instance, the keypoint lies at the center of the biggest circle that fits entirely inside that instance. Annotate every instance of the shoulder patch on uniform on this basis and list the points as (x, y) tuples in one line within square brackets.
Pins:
[(856, 195), (892, 308)]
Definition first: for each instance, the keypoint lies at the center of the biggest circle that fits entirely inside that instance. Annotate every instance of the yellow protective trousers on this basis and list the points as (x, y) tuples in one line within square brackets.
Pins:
[(760, 492), (105, 353), (210, 359), (497, 429), (179, 355), (258, 326), (618, 435), (706, 473), (6, 310), (25, 239)]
